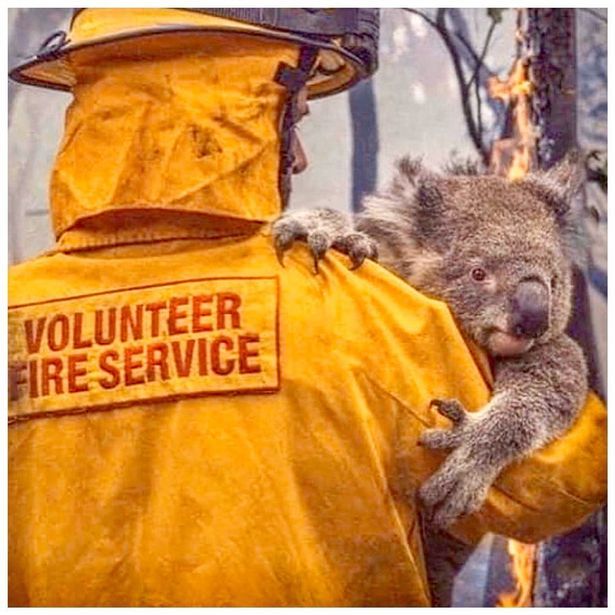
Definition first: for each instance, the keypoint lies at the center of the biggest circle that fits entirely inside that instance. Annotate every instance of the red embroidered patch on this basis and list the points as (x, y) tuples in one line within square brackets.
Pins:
[(138, 345)]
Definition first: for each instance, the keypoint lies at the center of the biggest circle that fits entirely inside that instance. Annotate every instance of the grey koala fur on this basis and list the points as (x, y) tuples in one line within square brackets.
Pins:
[(499, 253)]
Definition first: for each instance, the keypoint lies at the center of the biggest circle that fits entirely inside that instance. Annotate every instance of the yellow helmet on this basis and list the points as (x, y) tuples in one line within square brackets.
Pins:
[(345, 40)]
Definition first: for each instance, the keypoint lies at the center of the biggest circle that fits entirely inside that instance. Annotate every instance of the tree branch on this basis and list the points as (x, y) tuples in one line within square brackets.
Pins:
[(463, 90), (474, 79), (473, 128), (483, 54), (457, 35)]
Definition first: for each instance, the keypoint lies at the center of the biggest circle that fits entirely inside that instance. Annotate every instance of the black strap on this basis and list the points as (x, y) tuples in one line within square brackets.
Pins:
[(293, 79), (53, 43)]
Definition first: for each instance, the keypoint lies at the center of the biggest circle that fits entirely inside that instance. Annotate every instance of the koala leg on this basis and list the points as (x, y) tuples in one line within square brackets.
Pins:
[(536, 398), (322, 229)]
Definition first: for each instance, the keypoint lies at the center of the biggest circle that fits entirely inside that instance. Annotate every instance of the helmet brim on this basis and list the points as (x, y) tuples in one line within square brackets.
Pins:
[(52, 68)]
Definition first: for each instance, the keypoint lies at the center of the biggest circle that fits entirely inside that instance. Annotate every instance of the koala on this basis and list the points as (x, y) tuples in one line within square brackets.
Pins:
[(500, 254)]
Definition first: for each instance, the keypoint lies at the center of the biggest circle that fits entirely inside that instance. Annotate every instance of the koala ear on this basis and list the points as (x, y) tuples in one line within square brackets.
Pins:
[(560, 183), (406, 179), (557, 188), (413, 181)]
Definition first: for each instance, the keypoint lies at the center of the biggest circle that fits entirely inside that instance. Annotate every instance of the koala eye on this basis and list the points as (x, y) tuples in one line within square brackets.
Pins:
[(478, 274)]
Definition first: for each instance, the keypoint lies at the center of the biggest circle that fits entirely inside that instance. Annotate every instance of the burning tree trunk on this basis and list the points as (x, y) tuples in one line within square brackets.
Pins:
[(571, 567), (514, 155), (523, 570), (541, 92), (567, 570)]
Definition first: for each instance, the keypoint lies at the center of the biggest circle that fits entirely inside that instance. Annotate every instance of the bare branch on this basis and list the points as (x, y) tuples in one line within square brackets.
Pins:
[(481, 59), (457, 35), (474, 126), (463, 90), (474, 80)]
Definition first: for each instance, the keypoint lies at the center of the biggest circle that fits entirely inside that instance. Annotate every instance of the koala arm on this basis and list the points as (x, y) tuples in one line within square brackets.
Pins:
[(551, 491), (536, 398)]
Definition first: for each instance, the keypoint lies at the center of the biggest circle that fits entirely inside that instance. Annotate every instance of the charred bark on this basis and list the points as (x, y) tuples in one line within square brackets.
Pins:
[(571, 569)]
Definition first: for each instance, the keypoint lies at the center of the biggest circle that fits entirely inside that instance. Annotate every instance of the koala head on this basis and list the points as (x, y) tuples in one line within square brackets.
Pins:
[(499, 252)]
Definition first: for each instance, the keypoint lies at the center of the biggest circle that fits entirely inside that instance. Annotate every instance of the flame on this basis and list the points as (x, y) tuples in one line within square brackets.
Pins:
[(514, 156), (523, 568)]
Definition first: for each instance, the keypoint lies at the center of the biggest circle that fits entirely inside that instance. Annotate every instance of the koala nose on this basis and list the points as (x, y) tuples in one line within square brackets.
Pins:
[(530, 309)]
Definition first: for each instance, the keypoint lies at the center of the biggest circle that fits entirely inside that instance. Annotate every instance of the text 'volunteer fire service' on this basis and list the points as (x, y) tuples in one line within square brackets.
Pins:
[(101, 351)]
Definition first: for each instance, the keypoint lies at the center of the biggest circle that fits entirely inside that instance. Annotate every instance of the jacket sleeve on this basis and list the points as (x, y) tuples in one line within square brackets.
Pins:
[(550, 492)]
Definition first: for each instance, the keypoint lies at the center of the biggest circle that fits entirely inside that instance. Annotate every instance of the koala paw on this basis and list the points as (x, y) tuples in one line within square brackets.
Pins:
[(458, 488), (322, 229), (358, 246), (447, 438), (460, 485)]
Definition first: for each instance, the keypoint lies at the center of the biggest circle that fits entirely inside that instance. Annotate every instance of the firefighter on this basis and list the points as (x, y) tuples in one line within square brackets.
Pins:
[(190, 423)]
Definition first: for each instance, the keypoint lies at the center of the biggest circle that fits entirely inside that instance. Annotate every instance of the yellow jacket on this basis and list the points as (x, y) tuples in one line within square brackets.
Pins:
[(292, 485), (193, 424)]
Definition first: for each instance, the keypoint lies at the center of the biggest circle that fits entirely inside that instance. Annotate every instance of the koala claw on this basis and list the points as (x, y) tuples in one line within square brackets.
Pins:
[(451, 409), (358, 247), (284, 237), (446, 438), (356, 262), (288, 230), (454, 490), (322, 230), (460, 502), (279, 252), (318, 243)]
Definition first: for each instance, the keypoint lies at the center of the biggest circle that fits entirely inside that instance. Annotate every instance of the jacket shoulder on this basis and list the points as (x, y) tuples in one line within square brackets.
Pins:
[(27, 280), (400, 338)]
